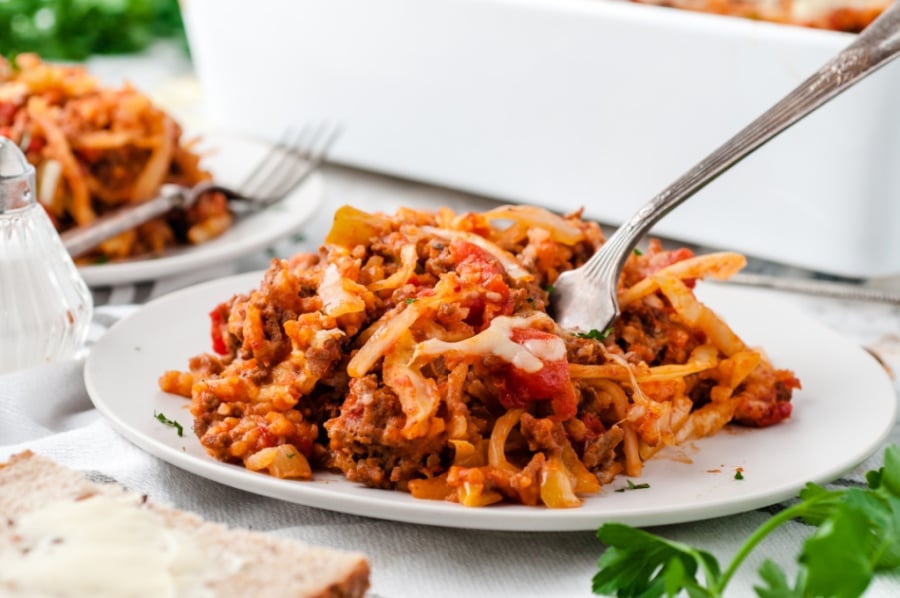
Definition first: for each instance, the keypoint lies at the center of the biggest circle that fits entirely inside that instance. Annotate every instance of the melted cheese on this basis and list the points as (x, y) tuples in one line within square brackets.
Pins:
[(640, 399), (496, 340), (551, 349), (106, 546)]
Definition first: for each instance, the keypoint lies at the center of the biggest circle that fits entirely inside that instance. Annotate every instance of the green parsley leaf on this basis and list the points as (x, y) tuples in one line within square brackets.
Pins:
[(889, 475), (637, 252), (836, 557), (637, 563), (169, 422), (882, 513), (820, 503), (549, 288), (595, 334), (857, 534), (411, 300), (776, 582), (739, 475)]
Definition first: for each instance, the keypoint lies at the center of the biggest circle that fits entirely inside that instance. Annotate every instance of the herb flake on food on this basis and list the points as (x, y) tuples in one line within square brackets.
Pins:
[(595, 334)]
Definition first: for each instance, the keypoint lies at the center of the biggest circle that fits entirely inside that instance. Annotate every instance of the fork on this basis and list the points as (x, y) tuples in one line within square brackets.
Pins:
[(586, 298), (284, 167)]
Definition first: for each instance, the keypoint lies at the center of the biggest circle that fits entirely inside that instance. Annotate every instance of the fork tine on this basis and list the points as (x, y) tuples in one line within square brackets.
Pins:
[(261, 173), (318, 148), (292, 157), (330, 139), (306, 158)]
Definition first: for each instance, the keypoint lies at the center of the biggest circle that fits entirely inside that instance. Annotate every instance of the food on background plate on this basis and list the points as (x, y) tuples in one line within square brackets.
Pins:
[(415, 352), (64, 535), (98, 148), (838, 15)]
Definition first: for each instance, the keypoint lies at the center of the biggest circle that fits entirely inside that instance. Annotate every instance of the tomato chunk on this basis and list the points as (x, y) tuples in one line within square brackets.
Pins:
[(218, 328), (656, 259), (477, 266), (551, 382)]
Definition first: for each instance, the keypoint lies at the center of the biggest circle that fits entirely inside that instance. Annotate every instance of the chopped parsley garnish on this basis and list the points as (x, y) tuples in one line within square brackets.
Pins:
[(633, 486), (739, 474), (410, 300), (856, 534), (637, 252), (169, 422), (595, 334), (549, 288)]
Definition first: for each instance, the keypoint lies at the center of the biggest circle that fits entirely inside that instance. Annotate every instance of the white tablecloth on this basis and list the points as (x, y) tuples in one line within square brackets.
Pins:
[(48, 411)]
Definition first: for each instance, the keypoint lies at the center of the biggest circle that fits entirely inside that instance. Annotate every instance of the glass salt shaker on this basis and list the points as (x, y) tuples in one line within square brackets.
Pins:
[(45, 305)]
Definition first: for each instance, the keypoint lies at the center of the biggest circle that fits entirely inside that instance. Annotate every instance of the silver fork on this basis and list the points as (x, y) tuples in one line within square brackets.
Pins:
[(586, 298), (287, 164)]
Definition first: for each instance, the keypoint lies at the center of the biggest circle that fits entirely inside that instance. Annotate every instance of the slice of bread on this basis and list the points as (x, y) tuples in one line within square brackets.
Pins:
[(63, 535)]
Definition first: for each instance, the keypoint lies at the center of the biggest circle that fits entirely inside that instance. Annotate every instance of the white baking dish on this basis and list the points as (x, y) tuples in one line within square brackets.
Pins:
[(571, 103)]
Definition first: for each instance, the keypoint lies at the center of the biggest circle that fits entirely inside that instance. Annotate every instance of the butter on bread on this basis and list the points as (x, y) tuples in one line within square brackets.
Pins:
[(105, 540)]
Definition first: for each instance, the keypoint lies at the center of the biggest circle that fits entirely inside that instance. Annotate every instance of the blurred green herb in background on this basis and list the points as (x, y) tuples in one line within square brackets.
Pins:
[(76, 29)]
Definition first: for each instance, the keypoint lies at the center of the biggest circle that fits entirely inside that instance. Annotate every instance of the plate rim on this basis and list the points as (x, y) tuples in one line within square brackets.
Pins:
[(398, 506)]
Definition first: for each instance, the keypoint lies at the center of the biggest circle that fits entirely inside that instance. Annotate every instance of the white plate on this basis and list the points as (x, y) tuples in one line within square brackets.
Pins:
[(842, 415), (230, 157)]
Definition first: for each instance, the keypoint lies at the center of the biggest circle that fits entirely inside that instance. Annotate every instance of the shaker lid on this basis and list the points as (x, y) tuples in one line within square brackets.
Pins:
[(16, 177)]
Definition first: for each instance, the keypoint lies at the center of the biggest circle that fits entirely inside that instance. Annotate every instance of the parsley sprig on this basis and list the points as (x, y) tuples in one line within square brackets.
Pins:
[(857, 534)]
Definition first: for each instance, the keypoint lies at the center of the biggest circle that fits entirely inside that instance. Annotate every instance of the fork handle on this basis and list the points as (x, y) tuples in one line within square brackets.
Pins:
[(82, 239), (877, 45)]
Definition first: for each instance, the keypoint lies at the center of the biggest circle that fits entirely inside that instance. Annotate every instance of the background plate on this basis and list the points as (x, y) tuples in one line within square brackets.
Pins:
[(230, 157), (842, 415)]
